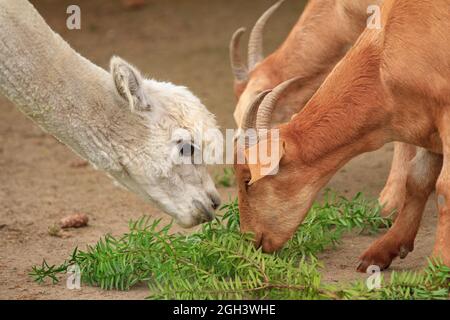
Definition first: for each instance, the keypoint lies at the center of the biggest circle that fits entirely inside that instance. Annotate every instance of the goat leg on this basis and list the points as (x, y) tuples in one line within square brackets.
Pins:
[(393, 195), (423, 172)]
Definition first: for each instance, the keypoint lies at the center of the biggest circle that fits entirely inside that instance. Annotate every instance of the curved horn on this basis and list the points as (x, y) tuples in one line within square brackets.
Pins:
[(239, 69), (249, 118), (255, 45), (264, 115)]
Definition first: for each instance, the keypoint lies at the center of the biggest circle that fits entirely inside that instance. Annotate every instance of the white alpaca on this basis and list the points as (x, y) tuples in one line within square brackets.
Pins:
[(120, 122)]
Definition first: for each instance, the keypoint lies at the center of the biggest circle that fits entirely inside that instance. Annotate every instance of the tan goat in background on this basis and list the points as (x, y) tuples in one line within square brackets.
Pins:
[(393, 85), (321, 37)]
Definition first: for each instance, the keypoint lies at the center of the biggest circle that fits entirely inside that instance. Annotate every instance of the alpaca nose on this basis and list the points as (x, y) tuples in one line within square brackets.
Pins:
[(215, 201), (204, 214)]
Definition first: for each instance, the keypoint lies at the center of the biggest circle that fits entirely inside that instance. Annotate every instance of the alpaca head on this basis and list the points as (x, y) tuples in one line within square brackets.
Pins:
[(153, 140)]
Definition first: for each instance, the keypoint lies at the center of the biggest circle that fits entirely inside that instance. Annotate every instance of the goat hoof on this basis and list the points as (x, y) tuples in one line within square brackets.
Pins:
[(365, 264), (385, 250), (377, 255), (404, 251), (362, 266)]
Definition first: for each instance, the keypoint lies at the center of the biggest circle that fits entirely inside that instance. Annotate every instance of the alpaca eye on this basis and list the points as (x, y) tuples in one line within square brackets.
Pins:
[(187, 150)]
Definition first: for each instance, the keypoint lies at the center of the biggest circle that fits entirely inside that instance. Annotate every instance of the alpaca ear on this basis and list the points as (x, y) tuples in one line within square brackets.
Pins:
[(128, 81)]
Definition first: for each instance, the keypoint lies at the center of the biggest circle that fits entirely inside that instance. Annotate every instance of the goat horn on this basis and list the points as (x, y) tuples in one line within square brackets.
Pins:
[(249, 118), (265, 110), (255, 45), (239, 69)]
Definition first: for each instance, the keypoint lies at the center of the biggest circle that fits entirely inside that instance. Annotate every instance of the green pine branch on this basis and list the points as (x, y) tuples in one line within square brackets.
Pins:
[(219, 262)]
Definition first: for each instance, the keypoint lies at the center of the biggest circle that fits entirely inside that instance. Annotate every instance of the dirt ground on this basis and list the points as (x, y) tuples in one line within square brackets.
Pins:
[(179, 40)]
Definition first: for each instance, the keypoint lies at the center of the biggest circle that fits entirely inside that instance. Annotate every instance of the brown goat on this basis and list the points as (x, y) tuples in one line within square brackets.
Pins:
[(321, 37), (393, 85)]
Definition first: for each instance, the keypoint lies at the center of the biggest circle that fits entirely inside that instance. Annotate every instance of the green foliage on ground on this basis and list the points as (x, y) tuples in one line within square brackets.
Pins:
[(218, 262)]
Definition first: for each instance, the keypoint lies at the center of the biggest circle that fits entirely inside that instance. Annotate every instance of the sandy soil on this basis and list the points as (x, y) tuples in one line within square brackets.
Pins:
[(181, 41)]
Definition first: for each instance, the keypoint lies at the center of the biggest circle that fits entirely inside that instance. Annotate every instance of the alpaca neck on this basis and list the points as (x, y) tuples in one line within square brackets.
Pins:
[(57, 88)]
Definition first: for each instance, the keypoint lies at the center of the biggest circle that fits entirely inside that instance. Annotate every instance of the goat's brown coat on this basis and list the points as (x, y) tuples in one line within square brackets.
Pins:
[(321, 37), (393, 85)]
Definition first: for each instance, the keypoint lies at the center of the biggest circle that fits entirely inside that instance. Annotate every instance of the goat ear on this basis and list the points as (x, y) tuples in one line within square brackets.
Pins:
[(260, 168), (128, 81)]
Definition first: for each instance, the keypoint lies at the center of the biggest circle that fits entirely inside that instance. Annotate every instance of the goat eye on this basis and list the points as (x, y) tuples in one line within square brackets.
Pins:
[(247, 184)]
